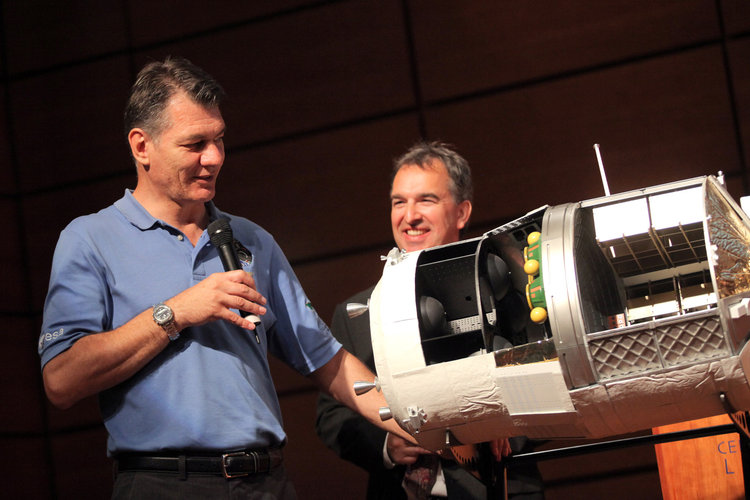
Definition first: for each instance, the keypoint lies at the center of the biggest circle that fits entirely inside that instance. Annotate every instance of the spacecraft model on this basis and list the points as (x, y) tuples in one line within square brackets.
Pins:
[(583, 320)]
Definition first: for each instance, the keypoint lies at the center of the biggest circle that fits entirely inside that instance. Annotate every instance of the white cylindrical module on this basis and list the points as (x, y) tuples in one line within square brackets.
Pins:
[(646, 323)]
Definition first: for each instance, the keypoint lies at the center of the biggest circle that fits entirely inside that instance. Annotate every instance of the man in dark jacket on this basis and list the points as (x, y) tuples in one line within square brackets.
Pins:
[(431, 193)]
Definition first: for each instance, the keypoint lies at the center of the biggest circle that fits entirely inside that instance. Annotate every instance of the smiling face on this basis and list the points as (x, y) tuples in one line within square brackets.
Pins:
[(181, 163), (424, 212)]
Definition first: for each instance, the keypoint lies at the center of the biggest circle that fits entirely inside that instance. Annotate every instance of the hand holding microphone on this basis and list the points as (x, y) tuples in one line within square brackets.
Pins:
[(221, 237)]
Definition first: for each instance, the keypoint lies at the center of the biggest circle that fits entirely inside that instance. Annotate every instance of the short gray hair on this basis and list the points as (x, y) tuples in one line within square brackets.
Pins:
[(422, 153), (157, 82)]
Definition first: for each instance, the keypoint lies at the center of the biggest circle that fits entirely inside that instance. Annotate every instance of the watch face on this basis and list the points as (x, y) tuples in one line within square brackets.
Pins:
[(162, 314)]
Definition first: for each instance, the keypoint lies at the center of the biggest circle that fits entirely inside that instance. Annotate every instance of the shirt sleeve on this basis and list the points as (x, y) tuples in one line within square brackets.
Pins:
[(77, 301), (298, 336)]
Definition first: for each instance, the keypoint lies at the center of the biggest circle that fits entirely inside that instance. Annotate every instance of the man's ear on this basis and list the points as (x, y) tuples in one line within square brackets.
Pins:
[(138, 140), (464, 212)]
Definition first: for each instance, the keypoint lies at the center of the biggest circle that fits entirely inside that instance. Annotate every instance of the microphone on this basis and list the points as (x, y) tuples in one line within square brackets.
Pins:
[(221, 237)]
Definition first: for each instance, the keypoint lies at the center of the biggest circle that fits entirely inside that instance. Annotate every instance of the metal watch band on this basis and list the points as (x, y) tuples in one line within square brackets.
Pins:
[(164, 317), (172, 332)]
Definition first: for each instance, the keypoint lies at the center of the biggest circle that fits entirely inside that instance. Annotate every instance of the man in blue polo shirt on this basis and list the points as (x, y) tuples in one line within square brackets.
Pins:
[(141, 312)]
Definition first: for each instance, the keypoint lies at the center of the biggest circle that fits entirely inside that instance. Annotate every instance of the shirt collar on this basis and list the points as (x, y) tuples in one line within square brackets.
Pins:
[(137, 215)]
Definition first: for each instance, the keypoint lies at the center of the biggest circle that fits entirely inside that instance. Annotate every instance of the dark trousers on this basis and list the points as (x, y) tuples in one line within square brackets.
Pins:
[(134, 485)]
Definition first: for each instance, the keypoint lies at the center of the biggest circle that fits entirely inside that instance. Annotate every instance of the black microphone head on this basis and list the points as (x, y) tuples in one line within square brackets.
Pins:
[(220, 232)]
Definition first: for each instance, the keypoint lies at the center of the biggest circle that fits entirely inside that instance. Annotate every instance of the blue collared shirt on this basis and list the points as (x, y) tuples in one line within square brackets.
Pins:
[(211, 389)]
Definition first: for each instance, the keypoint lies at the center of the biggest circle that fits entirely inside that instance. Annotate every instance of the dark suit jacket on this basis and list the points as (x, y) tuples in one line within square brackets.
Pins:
[(355, 439)]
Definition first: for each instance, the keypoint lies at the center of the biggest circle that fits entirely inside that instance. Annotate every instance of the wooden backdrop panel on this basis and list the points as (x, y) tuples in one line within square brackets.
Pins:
[(82, 473), (739, 55), (187, 17), (23, 406), (40, 34), (7, 181), (33, 473), (15, 295), (68, 124), (736, 15), (465, 47)]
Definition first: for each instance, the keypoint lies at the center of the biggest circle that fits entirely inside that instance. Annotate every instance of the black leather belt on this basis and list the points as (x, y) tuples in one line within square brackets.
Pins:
[(229, 465)]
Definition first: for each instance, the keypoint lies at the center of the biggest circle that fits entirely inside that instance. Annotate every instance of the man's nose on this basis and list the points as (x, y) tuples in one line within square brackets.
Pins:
[(412, 213), (213, 154)]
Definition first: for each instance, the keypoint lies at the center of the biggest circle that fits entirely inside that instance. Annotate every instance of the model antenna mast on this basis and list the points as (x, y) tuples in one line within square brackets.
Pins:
[(601, 169)]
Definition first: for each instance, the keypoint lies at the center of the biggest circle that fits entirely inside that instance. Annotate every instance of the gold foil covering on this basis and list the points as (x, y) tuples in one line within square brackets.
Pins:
[(729, 241), (543, 350)]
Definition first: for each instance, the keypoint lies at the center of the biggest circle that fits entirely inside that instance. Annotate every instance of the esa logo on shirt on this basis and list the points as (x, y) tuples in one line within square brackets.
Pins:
[(48, 336)]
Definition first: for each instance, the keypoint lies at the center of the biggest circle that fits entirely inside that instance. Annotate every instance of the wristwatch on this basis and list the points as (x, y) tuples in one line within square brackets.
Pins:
[(164, 317)]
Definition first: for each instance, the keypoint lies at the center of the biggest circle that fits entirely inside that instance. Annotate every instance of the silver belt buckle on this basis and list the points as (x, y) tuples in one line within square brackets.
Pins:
[(224, 458)]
